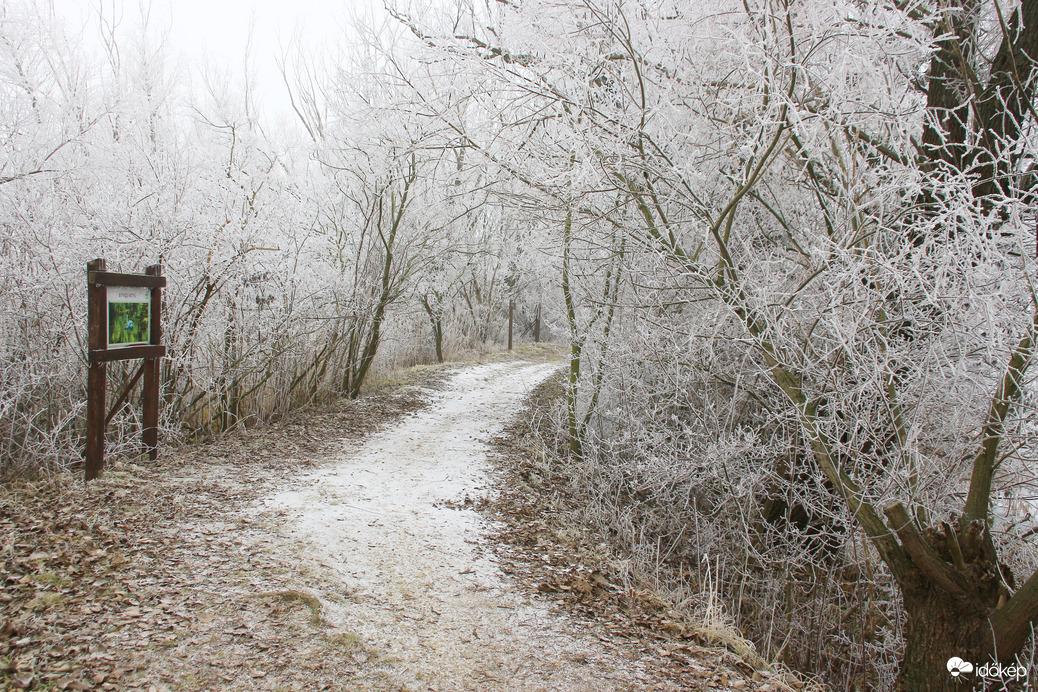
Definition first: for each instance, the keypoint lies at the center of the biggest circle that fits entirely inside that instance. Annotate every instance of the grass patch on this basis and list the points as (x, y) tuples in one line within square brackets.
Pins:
[(347, 640), (296, 596)]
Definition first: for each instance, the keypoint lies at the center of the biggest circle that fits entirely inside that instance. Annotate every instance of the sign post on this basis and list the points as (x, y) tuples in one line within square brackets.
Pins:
[(124, 321)]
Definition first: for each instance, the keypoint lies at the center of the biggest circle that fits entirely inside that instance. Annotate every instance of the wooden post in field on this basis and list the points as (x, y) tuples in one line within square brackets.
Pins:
[(97, 327), (133, 305), (537, 326), (150, 417), (511, 313)]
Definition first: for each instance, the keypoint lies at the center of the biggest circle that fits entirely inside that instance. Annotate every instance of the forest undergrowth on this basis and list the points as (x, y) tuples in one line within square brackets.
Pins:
[(790, 247), (153, 578), (554, 537)]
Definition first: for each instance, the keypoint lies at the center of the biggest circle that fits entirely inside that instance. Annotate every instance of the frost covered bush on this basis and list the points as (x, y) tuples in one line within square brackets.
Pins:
[(797, 265), (289, 261)]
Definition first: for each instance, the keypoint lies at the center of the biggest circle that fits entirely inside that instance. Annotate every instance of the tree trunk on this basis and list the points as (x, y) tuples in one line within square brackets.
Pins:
[(438, 338), (957, 604), (436, 320), (947, 106), (938, 628), (576, 343), (1003, 107), (370, 349)]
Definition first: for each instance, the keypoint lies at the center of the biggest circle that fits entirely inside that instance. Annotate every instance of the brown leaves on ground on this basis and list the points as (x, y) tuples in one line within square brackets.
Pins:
[(152, 578), (545, 546)]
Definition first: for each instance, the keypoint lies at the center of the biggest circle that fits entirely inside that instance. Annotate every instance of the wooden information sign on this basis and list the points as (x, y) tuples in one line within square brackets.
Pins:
[(124, 321)]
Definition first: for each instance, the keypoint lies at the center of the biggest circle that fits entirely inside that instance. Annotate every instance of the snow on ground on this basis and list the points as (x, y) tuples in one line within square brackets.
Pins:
[(391, 520)]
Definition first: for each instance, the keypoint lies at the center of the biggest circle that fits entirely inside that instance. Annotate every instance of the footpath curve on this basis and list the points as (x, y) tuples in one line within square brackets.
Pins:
[(392, 520)]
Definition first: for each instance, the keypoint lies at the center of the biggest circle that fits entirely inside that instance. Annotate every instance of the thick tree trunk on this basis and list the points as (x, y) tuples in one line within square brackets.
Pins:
[(937, 629), (947, 106), (976, 621), (957, 605), (1006, 101)]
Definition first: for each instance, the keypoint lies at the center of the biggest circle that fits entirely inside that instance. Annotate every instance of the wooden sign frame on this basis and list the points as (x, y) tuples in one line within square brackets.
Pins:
[(101, 352)]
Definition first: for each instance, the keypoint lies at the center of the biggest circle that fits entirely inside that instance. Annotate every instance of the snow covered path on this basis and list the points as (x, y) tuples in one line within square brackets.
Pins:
[(391, 520)]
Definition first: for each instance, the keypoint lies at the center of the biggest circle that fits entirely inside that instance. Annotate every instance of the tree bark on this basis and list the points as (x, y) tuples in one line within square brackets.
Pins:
[(955, 599), (576, 343), (511, 318), (947, 104), (436, 320), (1006, 101), (939, 627)]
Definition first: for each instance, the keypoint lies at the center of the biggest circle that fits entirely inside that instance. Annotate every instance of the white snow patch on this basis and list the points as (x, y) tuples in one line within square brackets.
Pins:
[(439, 612)]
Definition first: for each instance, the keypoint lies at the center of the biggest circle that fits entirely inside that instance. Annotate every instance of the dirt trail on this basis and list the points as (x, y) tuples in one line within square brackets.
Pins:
[(391, 519)]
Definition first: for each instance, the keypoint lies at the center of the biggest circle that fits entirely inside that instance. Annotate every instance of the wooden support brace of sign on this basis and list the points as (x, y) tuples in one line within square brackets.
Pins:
[(124, 321)]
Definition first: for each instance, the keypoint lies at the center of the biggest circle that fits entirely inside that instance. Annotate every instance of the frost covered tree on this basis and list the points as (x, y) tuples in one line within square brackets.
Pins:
[(828, 211), (113, 155), (48, 115), (378, 164)]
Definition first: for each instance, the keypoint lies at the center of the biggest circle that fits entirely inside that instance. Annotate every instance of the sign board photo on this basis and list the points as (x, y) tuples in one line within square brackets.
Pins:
[(129, 315)]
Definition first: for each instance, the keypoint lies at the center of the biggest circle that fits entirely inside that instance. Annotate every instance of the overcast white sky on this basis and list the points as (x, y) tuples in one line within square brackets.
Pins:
[(218, 30)]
